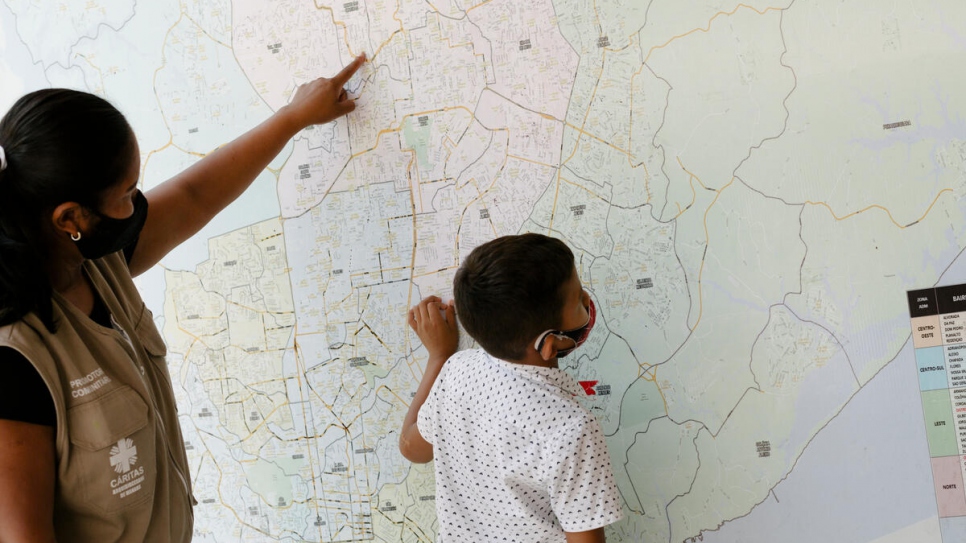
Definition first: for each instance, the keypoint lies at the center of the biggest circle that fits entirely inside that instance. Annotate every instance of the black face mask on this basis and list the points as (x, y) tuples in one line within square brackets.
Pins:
[(111, 235)]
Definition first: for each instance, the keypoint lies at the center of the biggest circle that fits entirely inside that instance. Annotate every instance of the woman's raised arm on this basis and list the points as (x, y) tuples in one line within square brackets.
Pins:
[(183, 205)]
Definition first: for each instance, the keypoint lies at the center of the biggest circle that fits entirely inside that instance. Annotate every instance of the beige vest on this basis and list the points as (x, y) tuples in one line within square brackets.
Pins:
[(122, 473)]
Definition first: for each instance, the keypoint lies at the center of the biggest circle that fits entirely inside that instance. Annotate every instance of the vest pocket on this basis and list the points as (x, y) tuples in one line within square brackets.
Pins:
[(113, 450)]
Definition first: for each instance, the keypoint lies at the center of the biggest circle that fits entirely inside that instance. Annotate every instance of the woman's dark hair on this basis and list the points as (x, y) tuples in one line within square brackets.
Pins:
[(510, 290), (61, 146)]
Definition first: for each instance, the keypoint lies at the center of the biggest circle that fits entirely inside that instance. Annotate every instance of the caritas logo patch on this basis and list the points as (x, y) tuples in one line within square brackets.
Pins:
[(124, 455)]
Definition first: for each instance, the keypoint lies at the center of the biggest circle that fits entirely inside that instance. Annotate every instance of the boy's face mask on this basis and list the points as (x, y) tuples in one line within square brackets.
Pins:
[(577, 335)]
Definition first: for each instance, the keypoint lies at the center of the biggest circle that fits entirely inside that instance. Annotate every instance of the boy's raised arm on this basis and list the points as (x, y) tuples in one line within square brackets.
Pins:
[(435, 324)]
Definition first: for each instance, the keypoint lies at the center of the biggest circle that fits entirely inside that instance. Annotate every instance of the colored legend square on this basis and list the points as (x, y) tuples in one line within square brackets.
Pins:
[(931, 365), (940, 424), (926, 332), (948, 478)]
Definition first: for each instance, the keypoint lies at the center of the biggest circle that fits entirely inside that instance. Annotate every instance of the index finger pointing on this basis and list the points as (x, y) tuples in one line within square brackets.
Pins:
[(343, 77)]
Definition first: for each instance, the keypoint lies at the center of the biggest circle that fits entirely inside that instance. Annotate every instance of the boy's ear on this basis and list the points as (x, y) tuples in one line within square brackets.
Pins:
[(549, 349)]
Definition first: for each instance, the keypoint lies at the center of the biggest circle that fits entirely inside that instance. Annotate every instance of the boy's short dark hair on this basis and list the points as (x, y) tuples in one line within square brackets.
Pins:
[(510, 290)]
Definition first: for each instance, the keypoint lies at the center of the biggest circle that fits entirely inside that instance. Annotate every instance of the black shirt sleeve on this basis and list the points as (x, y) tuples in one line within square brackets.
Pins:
[(24, 396)]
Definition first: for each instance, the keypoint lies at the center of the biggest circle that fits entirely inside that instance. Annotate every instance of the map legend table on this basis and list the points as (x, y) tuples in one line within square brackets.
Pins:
[(939, 337)]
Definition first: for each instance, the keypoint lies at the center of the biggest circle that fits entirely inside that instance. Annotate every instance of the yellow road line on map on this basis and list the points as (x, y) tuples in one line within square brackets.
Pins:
[(345, 29), (300, 370), (583, 126), (694, 193), (221, 476), (154, 77), (484, 2), (436, 272), (264, 421), (630, 136), (707, 242), (411, 360), (883, 208), (587, 190), (708, 28), (205, 32), (531, 161), (100, 74)]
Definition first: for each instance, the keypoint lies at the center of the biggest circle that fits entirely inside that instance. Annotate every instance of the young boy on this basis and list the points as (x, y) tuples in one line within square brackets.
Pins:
[(517, 457)]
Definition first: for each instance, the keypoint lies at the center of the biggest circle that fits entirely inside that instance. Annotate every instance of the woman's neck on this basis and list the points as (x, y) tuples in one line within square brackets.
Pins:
[(65, 269)]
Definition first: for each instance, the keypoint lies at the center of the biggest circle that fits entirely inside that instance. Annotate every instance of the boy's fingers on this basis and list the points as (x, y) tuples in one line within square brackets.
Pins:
[(432, 308), (422, 314), (346, 74)]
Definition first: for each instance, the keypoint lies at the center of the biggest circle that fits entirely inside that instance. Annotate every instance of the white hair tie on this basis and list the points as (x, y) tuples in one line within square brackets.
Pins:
[(3, 159)]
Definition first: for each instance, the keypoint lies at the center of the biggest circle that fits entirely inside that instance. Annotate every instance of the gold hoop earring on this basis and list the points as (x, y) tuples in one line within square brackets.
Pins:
[(76, 236)]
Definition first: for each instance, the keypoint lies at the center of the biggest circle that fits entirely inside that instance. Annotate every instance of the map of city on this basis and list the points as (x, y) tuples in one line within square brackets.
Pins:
[(749, 189)]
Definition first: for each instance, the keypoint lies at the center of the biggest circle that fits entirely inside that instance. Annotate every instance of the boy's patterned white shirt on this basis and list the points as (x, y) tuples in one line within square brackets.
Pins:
[(517, 458)]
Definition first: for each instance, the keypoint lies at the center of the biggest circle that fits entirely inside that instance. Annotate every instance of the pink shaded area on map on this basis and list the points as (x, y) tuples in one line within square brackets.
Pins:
[(948, 478)]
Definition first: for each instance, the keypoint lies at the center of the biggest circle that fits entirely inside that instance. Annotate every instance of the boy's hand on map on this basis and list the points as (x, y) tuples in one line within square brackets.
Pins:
[(325, 99), (435, 324)]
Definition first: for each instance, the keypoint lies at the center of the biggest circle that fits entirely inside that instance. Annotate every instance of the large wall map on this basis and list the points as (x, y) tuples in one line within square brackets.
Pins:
[(749, 188)]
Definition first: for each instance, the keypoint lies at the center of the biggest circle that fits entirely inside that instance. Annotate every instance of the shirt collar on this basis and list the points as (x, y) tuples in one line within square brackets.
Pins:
[(552, 376)]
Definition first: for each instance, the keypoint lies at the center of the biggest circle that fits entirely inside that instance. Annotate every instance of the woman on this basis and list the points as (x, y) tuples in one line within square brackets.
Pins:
[(90, 448)]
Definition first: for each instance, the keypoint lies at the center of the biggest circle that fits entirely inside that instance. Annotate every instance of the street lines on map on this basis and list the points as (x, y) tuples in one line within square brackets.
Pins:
[(479, 198), (471, 8), (413, 173), (411, 360), (650, 374), (587, 190), (345, 29), (265, 418), (710, 21), (365, 326), (379, 48), (154, 85), (205, 32), (435, 272), (583, 126), (482, 57), (574, 127), (385, 43), (531, 161), (151, 153), (96, 68), (300, 367), (877, 206), (582, 131), (704, 254), (647, 174), (694, 193), (849, 215), (396, 129), (253, 310), (413, 525), (221, 475)]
